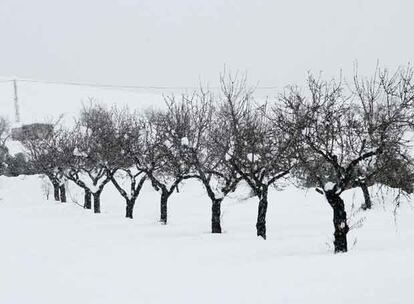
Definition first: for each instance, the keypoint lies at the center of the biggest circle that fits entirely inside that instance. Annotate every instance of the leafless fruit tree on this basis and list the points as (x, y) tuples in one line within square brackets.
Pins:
[(130, 177), (195, 132), (91, 153), (46, 158), (344, 137), (258, 149)]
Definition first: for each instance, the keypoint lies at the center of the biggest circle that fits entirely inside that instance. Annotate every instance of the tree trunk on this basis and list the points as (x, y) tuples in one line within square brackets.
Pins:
[(367, 199), (129, 208), (339, 220), (163, 207), (56, 191), (215, 215), (62, 190), (97, 202), (261, 215), (87, 200)]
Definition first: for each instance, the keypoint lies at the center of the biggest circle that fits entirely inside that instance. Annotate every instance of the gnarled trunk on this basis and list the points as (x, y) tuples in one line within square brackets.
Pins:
[(339, 220), (87, 200), (367, 199), (215, 215), (56, 191), (97, 202), (261, 215), (62, 191), (129, 208)]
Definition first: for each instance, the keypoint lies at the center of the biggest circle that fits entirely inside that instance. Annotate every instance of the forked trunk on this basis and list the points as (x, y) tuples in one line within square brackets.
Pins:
[(215, 215), (339, 220), (87, 200), (367, 198), (62, 191), (261, 215)]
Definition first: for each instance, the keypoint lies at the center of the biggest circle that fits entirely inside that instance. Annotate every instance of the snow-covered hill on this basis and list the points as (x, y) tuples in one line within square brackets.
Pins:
[(61, 253), (44, 102)]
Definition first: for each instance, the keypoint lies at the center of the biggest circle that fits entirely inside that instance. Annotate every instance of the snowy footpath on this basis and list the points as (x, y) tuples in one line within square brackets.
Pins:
[(60, 253)]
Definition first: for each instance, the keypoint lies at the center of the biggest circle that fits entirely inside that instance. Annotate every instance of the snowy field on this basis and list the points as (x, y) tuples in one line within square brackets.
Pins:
[(60, 253)]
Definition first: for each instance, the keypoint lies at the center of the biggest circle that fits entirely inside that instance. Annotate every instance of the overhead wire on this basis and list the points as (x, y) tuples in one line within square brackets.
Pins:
[(114, 86)]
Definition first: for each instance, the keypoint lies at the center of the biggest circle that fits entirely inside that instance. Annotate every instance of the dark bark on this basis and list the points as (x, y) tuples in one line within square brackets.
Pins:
[(62, 190), (97, 202), (215, 203), (87, 200), (129, 208), (163, 207), (56, 191), (215, 215), (339, 220), (165, 193), (135, 190), (261, 215), (367, 199)]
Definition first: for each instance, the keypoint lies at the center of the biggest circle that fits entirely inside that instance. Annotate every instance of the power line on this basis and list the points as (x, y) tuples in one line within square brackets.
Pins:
[(100, 85), (113, 86)]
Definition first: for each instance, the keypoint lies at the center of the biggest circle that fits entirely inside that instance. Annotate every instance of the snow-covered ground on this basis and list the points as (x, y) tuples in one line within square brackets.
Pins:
[(61, 253)]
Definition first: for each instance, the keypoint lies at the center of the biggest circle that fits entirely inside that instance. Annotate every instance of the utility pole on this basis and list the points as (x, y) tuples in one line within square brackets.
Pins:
[(16, 102)]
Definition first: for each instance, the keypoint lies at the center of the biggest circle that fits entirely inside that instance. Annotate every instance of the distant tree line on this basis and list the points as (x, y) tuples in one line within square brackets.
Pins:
[(332, 135)]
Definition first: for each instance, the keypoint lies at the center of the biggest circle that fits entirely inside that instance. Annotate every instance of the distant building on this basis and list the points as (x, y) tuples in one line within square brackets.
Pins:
[(32, 131)]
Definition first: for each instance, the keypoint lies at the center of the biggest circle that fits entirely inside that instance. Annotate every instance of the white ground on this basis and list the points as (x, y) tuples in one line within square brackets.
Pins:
[(61, 253)]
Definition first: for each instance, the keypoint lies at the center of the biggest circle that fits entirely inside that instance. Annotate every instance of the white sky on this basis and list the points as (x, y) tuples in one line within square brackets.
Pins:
[(179, 42)]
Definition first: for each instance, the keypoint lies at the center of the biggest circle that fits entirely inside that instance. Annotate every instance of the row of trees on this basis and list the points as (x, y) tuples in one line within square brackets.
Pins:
[(331, 135)]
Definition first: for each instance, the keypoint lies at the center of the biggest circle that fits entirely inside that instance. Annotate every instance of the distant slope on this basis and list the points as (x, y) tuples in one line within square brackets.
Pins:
[(40, 102), (44, 102)]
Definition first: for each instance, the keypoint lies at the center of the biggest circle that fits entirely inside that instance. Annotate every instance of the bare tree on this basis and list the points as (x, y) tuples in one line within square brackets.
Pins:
[(258, 149), (45, 158), (91, 153), (195, 128), (341, 136), (394, 166), (130, 177), (161, 162)]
